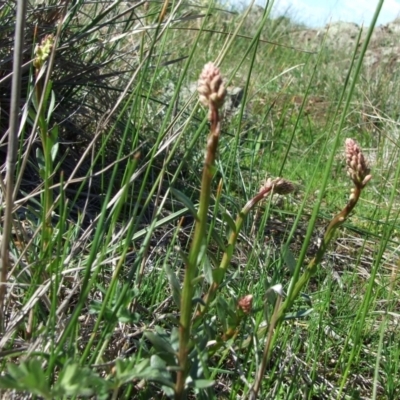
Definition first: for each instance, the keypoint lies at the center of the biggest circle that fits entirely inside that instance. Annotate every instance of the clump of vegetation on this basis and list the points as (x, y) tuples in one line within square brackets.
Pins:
[(134, 265)]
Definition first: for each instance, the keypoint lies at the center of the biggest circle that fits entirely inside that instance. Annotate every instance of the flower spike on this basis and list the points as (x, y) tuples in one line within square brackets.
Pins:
[(357, 167), (211, 87)]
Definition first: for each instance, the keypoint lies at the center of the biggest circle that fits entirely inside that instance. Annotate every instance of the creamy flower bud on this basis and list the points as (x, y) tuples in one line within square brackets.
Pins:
[(42, 51)]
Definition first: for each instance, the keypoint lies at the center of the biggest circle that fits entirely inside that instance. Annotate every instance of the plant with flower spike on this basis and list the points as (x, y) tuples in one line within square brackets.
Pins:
[(211, 94), (48, 136), (270, 187), (359, 173)]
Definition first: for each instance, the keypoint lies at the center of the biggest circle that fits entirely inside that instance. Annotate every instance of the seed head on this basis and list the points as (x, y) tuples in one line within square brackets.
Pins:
[(211, 87), (357, 167)]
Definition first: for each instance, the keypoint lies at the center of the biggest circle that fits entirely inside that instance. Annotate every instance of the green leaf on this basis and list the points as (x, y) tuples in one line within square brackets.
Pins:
[(54, 133), (75, 380), (185, 201), (290, 260), (198, 300), (228, 219), (160, 343), (208, 270), (307, 298), (72, 382), (54, 151), (229, 250), (151, 370), (96, 307), (174, 285), (184, 257), (8, 382), (197, 280), (17, 371), (222, 311), (160, 376), (126, 317), (68, 373), (47, 93), (298, 314), (218, 275), (175, 339), (213, 170), (28, 376), (125, 372), (51, 105), (40, 158), (220, 242), (169, 391), (158, 363), (202, 383)]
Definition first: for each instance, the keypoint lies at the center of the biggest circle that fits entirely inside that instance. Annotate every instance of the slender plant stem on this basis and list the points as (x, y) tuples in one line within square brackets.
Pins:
[(191, 266), (12, 152), (266, 354), (227, 256), (337, 221)]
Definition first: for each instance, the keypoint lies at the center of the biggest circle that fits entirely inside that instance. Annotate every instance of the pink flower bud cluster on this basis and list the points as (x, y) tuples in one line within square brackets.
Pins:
[(357, 167), (246, 303), (211, 87)]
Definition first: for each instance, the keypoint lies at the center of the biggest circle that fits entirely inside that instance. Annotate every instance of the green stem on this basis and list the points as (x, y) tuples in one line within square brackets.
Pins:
[(338, 220), (47, 143), (226, 258), (281, 309), (191, 266), (311, 269)]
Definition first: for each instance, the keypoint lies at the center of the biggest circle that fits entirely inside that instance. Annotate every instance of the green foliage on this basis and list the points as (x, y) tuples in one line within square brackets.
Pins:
[(72, 381)]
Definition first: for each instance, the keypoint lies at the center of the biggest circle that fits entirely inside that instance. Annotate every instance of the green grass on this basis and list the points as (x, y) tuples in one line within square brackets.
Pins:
[(101, 227)]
